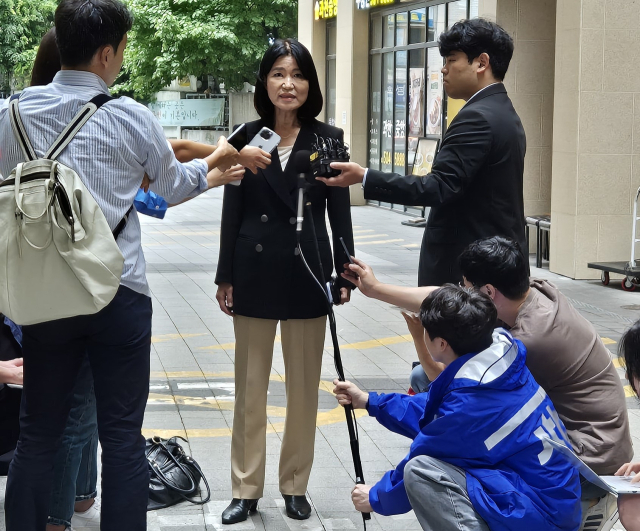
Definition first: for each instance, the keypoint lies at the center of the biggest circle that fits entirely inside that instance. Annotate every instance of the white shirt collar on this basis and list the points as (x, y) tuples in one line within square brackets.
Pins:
[(485, 88), (81, 78)]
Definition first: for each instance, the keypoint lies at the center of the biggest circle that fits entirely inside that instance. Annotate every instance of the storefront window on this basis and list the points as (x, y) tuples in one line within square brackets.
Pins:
[(456, 11), (388, 88), (415, 127), (407, 99), (473, 9), (375, 113), (400, 118), (417, 26), (402, 26), (434, 92), (376, 32), (330, 107), (436, 22), (388, 31)]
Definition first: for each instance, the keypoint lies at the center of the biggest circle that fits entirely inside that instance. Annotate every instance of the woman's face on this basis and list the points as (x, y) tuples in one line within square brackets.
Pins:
[(286, 86)]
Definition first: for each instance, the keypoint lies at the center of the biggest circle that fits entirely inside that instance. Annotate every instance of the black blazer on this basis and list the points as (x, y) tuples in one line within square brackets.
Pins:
[(474, 188), (258, 253)]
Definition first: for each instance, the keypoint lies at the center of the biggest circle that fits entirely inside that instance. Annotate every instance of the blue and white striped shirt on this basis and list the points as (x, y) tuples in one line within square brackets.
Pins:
[(111, 154)]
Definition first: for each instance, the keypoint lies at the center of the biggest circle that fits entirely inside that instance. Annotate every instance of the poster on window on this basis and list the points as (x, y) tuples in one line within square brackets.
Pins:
[(425, 155), (416, 102), (434, 93)]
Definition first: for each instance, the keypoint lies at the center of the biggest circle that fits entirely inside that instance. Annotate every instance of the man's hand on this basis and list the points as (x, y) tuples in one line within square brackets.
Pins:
[(252, 158), (630, 469), (352, 173), (348, 393), (224, 296), (415, 326), (360, 498), (145, 183), (11, 371), (361, 275), (225, 155), (218, 178)]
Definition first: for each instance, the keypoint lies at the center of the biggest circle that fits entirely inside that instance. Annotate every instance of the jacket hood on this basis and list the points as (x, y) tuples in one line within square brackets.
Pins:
[(499, 366)]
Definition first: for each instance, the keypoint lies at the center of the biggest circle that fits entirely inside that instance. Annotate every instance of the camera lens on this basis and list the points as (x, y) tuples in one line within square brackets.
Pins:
[(266, 134)]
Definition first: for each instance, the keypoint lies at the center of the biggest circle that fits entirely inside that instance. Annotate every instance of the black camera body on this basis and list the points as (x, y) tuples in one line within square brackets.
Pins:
[(325, 151)]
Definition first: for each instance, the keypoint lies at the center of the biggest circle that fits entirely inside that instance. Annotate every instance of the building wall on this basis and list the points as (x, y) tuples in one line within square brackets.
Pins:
[(596, 148), (530, 83)]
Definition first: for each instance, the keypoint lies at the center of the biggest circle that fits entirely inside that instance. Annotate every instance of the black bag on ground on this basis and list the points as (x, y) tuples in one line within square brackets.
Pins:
[(174, 476)]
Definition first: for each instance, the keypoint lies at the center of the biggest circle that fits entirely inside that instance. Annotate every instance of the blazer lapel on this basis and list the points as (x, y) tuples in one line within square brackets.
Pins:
[(305, 140), (273, 175), (279, 180)]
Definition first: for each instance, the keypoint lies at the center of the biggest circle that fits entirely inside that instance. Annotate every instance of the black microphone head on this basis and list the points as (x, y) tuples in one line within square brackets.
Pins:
[(302, 162)]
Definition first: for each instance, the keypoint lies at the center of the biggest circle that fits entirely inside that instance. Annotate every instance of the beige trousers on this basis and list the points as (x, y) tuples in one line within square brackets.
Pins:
[(302, 346)]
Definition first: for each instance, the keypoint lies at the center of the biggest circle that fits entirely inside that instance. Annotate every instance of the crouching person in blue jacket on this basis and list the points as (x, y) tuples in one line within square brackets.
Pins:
[(480, 458)]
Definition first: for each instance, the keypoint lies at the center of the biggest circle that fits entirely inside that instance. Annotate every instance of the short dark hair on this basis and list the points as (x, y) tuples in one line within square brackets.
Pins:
[(283, 47), (463, 317), (497, 261), (629, 347), (85, 26), (47, 62), (478, 36)]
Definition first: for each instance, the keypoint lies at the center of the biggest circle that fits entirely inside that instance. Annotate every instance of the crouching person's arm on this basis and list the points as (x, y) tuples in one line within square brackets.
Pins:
[(399, 413)]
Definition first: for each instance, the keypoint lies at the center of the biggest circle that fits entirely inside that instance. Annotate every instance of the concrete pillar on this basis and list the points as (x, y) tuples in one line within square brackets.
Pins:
[(352, 96), (313, 34), (530, 84), (596, 168)]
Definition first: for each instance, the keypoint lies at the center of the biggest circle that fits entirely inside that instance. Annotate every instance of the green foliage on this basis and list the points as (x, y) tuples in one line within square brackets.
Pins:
[(223, 38), (23, 23)]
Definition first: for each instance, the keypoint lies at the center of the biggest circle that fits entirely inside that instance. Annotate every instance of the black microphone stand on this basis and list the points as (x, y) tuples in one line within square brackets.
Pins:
[(352, 425)]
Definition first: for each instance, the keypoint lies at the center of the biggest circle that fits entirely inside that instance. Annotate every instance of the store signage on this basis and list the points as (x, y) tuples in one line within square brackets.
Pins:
[(367, 4), (325, 9), (201, 113)]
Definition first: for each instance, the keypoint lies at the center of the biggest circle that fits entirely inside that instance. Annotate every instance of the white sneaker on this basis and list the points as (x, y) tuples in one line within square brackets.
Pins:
[(602, 516), (88, 518)]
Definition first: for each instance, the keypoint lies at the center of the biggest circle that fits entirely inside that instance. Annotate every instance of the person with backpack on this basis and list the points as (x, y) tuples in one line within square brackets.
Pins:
[(110, 153)]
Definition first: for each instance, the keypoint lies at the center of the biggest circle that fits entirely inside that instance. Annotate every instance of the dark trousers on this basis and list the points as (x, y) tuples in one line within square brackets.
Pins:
[(118, 342)]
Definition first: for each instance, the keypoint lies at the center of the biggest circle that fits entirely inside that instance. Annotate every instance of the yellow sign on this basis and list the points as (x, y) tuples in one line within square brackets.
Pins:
[(366, 4), (325, 9)]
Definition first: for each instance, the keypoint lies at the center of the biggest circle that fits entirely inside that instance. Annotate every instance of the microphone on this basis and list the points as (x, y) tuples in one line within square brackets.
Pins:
[(302, 165)]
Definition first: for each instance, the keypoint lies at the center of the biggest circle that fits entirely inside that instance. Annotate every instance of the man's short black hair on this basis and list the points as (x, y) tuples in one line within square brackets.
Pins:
[(497, 261), (463, 317), (478, 36), (85, 26), (282, 47)]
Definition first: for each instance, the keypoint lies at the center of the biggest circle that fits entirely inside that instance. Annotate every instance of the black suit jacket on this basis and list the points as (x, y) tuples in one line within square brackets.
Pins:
[(258, 253), (474, 188)]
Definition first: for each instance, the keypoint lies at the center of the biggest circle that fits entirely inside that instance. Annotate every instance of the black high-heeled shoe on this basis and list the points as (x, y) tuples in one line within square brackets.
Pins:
[(239, 510), (297, 507)]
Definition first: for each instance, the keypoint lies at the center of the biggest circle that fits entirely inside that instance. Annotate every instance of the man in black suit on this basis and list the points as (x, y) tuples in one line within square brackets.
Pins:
[(475, 186)]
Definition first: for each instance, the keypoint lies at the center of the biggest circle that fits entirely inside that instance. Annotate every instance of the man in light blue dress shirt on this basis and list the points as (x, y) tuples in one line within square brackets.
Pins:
[(111, 154)]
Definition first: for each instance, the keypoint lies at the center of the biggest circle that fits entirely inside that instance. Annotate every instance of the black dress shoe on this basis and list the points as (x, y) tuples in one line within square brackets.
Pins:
[(239, 510), (297, 506)]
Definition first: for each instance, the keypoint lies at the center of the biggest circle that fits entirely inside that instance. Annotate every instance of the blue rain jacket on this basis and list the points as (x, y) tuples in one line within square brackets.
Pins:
[(485, 413)]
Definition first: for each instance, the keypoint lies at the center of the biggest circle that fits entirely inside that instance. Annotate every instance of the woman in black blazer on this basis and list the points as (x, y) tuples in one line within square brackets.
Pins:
[(262, 281)]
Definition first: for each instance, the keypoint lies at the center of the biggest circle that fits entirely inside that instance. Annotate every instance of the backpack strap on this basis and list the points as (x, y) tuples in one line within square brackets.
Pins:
[(123, 222), (75, 125), (18, 129)]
